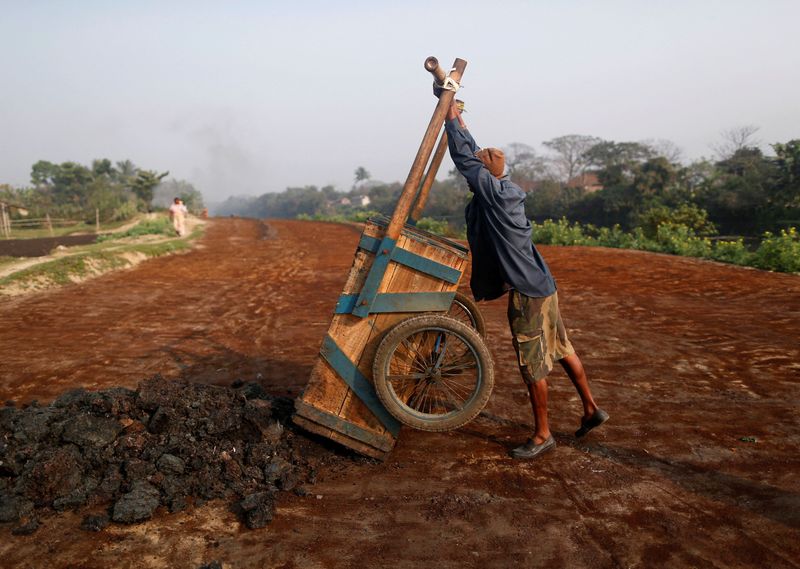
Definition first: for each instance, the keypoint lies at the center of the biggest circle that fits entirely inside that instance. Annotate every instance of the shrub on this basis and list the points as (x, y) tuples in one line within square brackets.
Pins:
[(615, 237), (732, 252), (559, 233), (434, 226), (125, 211), (681, 240), (779, 252), (688, 215), (361, 216)]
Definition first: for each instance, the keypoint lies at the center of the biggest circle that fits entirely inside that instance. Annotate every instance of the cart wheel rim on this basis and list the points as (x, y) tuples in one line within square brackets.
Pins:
[(434, 373), (462, 313)]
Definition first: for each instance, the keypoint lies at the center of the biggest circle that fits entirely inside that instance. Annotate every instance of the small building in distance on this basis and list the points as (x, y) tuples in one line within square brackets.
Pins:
[(588, 182)]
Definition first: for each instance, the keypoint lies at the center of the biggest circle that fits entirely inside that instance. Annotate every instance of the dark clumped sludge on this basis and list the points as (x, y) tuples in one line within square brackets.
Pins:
[(168, 443)]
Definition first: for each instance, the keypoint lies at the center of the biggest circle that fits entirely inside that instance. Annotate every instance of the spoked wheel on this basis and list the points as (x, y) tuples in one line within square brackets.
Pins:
[(466, 310), (433, 372)]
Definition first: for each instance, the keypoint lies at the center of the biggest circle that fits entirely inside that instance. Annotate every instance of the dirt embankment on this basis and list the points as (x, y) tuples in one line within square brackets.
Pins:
[(65, 265), (696, 362)]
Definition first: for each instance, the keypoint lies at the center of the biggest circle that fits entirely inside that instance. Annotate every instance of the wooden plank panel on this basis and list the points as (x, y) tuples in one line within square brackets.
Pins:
[(349, 442), (358, 338), (401, 279), (326, 390)]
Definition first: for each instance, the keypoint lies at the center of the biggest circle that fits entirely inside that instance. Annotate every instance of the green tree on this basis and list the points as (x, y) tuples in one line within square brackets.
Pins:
[(736, 197), (609, 153), (446, 200), (383, 198), (43, 173), (570, 158), (656, 177), (144, 184), (735, 139), (785, 190), (103, 167), (616, 162), (361, 175), (69, 184), (125, 170), (524, 165), (544, 200)]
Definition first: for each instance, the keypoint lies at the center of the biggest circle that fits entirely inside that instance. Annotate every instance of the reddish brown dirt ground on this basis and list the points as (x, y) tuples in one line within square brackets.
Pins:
[(687, 356)]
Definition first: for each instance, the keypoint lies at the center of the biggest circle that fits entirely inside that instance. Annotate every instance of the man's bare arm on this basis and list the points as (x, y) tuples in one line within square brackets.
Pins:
[(455, 113)]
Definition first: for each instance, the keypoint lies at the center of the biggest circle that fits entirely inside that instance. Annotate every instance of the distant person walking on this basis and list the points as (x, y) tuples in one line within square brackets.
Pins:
[(504, 259), (177, 213)]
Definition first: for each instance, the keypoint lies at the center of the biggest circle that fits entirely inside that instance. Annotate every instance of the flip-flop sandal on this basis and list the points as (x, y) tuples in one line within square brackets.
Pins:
[(595, 420)]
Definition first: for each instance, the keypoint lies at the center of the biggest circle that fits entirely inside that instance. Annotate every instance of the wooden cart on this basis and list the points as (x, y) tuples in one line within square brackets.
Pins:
[(392, 356)]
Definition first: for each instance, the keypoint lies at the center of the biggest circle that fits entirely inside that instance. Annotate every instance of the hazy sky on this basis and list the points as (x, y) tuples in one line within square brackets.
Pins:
[(248, 97)]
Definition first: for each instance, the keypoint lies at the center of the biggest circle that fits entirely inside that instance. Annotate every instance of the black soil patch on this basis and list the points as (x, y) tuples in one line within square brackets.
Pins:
[(168, 444), (41, 246)]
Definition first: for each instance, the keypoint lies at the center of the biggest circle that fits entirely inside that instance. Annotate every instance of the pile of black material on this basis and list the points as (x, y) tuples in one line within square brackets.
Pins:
[(167, 443)]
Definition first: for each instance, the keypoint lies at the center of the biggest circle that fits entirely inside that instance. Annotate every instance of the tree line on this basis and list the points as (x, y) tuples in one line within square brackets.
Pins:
[(117, 190), (742, 191)]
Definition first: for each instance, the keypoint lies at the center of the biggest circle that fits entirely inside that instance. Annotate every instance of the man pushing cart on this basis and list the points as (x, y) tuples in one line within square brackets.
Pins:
[(505, 260), (396, 351)]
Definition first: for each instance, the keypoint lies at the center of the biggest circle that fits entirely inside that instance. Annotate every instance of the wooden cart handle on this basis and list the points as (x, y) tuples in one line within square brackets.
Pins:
[(430, 176), (406, 200), (432, 65)]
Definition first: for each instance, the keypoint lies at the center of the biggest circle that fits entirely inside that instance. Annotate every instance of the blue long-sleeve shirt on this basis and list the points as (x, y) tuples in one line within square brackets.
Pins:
[(499, 234)]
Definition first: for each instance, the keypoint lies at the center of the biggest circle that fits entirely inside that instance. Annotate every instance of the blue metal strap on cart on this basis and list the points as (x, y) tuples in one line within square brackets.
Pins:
[(370, 289), (358, 383), (369, 243), (400, 302), (342, 426), (412, 260), (425, 265), (386, 251)]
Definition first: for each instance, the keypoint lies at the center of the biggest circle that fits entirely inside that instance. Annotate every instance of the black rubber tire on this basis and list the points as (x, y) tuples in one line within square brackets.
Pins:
[(426, 421), (470, 307)]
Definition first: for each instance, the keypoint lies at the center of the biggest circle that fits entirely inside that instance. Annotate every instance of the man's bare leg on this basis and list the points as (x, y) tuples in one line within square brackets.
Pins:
[(538, 393), (574, 368), (542, 440)]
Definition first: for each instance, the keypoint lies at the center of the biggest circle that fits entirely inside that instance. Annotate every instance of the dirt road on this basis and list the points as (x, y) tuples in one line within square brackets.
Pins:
[(689, 357)]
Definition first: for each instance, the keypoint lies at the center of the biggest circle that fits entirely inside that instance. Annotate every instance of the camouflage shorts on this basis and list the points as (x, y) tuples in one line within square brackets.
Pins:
[(538, 333)]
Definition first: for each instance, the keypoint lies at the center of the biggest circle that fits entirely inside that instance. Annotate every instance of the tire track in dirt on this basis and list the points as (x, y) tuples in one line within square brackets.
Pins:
[(214, 315)]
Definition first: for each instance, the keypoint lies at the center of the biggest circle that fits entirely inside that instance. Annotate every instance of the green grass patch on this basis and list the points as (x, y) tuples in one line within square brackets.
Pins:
[(58, 271), (75, 267), (197, 232), (155, 226), (159, 249), (93, 259)]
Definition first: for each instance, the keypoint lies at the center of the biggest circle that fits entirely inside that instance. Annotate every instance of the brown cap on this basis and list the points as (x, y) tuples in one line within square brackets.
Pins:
[(493, 159)]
